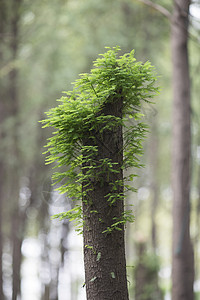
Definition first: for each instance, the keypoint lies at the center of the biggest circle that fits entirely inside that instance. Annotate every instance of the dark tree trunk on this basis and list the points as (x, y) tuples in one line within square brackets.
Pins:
[(2, 157), (18, 222), (17, 216), (104, 253), (1, 230), (182, 258)]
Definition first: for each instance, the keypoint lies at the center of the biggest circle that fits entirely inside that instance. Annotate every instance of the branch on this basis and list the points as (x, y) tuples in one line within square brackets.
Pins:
[(157, 7)]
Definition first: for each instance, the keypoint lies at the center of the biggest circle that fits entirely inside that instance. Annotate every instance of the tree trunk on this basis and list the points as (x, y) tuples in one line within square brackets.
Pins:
[(18, 222), (182, 258), (104, 253), (2, 158), (146, 275), (17, 217), (1, 230), (153, 149)]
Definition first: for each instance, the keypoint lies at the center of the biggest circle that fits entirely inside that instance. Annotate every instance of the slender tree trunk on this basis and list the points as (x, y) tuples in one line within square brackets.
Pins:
[(17, 215), (146, 275), (154, 181), (2, 158), (104, 253), (18, 222), (182, 258), (1, 230)]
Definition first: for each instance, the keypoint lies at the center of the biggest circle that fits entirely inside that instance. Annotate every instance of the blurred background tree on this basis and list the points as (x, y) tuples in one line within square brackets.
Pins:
[(44, 45)]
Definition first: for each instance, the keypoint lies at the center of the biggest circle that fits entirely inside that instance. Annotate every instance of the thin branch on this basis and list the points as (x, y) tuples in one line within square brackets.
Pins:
[(157, 7), (168, 15)]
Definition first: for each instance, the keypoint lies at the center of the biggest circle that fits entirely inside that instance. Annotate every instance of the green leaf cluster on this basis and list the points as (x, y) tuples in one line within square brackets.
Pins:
[(78, 116)]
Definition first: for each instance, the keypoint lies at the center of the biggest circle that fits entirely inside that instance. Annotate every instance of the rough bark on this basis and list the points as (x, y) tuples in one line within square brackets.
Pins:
[(182, 258), (105, 265)]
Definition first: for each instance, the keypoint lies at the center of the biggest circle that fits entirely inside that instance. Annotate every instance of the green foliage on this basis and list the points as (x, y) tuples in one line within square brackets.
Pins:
[(126, 217), (91, 248), (79, 117), (98, 256)]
